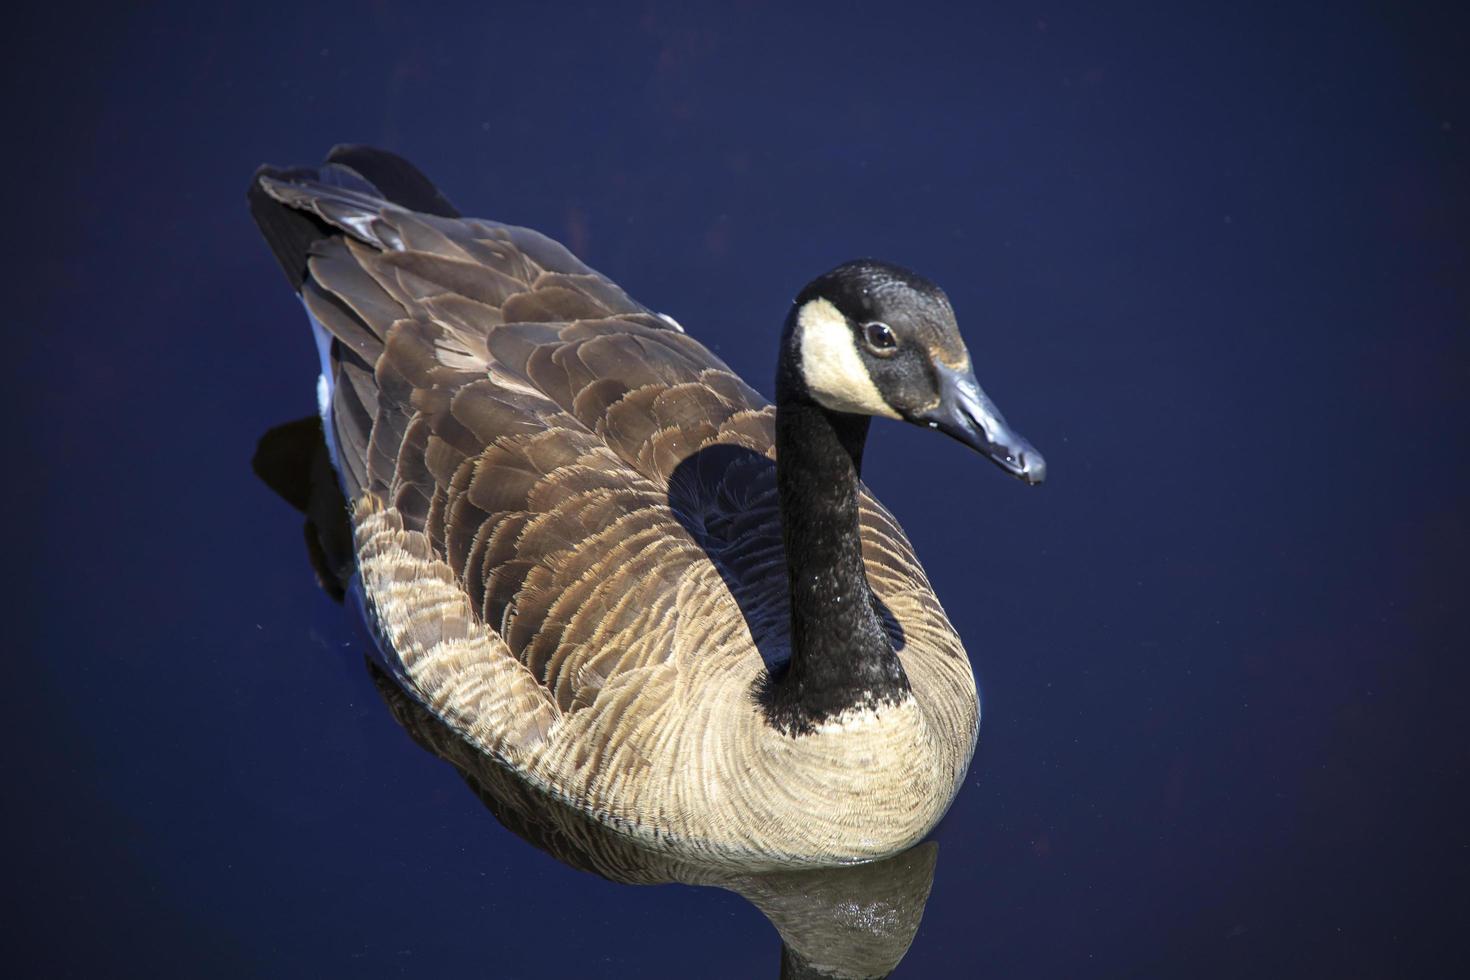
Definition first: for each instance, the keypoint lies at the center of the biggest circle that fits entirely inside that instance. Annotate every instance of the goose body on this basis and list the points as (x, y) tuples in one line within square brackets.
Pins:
[(568, 521)]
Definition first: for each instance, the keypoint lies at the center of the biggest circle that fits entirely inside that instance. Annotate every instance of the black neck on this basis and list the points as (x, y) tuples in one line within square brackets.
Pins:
[(841, 657)]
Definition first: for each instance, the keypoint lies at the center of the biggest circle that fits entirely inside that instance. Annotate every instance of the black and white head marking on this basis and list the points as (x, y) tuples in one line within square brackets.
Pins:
[(834, 370), (870, 338), (869, 335)]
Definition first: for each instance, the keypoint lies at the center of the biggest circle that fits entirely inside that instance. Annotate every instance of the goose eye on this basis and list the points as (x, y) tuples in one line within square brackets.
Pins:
[(880, 339)]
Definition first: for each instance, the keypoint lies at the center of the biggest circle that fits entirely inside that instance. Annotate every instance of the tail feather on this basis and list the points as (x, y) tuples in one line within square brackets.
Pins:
[(293, 219), (289, 232), (394, 178)]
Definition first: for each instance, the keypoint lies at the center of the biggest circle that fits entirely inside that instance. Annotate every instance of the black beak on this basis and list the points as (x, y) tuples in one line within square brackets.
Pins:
[(967, 414)]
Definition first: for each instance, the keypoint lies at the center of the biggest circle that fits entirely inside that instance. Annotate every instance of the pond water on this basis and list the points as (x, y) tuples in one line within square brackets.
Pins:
[(1214, 263)]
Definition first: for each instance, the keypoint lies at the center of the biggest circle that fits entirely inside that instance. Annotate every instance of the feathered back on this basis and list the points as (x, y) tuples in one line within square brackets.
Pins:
[(542, 467)]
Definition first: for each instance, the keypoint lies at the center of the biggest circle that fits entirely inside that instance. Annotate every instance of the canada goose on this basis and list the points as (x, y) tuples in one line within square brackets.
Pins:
[(576, 548)]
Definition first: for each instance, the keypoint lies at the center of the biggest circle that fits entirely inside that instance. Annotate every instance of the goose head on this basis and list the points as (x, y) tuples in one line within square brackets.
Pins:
[(871, 338)]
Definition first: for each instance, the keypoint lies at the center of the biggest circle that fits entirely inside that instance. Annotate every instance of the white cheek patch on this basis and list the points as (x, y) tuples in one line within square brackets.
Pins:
[(831, 366)]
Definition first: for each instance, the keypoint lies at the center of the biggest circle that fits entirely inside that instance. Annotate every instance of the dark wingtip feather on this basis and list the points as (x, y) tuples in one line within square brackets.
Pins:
[(289, 233), (394, 177)]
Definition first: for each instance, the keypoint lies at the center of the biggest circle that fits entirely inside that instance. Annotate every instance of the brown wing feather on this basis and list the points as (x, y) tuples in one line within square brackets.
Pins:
[(556, 441)]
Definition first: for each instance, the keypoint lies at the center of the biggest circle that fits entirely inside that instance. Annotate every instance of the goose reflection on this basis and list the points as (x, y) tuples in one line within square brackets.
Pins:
[(849, 922)]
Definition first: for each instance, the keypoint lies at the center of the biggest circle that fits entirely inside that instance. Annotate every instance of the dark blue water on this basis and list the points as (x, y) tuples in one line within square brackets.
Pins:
[(1214, 262)]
